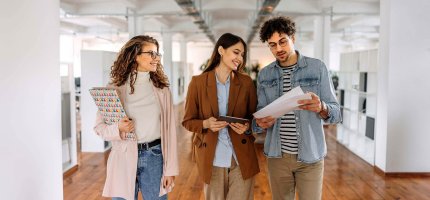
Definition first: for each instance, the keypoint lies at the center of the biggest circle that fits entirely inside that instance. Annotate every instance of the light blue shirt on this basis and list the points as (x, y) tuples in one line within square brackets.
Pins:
[(224, 148)]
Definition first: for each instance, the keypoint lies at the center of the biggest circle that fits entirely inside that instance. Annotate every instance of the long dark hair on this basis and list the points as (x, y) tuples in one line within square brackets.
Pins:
[(225, 41), (125, 66)]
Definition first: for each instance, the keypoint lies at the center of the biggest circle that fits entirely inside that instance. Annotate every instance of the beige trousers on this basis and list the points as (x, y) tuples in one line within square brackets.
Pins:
[(286, 174), (228, 184)]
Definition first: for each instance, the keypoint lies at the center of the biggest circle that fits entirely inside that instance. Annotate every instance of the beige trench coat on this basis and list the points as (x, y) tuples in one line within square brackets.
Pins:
[(122, 162)]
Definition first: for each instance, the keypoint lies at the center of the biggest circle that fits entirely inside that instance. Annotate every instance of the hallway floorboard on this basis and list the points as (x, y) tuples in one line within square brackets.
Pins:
[(346, 177)]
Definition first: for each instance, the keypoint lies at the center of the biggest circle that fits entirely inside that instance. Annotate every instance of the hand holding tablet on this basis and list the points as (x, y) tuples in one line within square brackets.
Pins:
[(230, 119)]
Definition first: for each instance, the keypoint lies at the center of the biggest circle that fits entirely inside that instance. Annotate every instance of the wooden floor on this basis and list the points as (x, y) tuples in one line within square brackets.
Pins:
[(346, 177)]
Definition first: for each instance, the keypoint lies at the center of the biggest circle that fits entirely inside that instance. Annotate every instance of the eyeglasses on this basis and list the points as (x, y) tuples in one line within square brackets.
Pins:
[(153, 54), (283, 42)]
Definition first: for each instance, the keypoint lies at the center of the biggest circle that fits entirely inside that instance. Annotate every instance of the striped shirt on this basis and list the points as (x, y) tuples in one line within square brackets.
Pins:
[(288, 123)]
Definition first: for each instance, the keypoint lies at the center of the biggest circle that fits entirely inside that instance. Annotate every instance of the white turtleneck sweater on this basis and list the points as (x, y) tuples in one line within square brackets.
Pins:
[(142, 107)]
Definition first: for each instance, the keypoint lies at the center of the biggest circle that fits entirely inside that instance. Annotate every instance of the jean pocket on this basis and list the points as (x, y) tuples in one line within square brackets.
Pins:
[(269, 83), (309, 84), (270, 89), (156, 151)]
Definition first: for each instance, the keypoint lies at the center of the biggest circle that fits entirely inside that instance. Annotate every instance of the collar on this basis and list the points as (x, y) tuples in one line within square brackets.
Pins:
[(212, 79), (219, 82)]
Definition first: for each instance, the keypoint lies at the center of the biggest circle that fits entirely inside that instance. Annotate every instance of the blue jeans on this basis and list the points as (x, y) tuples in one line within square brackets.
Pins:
[(148, 175)]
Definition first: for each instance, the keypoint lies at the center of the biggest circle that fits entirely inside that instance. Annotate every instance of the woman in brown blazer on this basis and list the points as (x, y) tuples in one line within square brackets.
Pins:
[(224, 152)]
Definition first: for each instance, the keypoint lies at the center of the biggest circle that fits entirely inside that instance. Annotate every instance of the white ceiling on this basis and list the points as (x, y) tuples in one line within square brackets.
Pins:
[(101, 18)]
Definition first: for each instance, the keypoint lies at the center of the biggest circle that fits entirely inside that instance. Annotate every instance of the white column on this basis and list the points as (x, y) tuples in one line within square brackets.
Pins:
[(30, 145), (183, 52), (183, 47), (322, 29), (167, 55), (402, 118), (187, 73), (132, 23)]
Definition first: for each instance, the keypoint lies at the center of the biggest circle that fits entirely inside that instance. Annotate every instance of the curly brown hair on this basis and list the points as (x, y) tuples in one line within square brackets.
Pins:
[(277, 24), (125, 66)]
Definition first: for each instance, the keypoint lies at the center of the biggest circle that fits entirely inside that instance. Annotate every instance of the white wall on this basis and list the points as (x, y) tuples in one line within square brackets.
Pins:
[(403, 112), (176, 52), (197, 54), (178, 72), (95, 73), (30, 145), (260, 54)]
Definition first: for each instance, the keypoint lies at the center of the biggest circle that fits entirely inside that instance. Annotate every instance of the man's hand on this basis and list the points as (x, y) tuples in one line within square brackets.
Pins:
[(265, 122), (213, 124), (313, 104)]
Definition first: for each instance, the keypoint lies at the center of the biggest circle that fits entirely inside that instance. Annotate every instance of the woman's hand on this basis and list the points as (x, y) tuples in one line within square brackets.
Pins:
[(265, 122), (125, 126), (239, 128), (168, 181), (213, 124)]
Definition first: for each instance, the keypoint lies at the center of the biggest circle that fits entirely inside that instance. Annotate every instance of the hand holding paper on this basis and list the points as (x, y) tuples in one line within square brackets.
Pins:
[(284, 104), (313, 104)]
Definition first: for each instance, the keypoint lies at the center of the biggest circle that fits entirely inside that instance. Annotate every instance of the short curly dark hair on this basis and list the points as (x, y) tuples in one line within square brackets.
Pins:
[(277, 24)]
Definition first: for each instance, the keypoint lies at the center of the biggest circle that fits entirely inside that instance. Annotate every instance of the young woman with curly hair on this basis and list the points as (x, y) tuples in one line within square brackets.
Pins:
[(150, 162)]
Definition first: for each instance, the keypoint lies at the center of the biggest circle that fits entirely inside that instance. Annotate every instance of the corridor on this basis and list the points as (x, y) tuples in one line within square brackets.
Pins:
[(346, 176)]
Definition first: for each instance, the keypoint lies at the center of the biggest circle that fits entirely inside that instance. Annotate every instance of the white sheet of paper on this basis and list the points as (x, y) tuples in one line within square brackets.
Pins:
[(284, 104)]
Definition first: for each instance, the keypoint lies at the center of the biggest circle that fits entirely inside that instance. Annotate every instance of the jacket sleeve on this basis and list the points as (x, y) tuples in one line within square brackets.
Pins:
[(191, 120), (261, 97), (172, 166), (252, 103), (105, 131), (329, 97)]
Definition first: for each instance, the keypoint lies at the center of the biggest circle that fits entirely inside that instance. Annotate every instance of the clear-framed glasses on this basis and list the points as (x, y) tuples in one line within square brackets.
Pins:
[(153, 54), (282, 42)]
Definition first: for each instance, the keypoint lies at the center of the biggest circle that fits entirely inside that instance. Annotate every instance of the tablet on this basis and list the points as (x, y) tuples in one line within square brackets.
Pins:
[(233, 119)]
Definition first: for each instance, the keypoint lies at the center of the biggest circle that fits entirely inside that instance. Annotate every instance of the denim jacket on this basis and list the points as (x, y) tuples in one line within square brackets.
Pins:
[(312, 76)]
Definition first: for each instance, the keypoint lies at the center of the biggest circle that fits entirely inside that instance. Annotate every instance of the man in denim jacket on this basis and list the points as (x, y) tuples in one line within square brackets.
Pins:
[(295, 143)]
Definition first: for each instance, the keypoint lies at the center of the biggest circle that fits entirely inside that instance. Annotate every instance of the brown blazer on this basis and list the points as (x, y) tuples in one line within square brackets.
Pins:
[(202, 103)]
